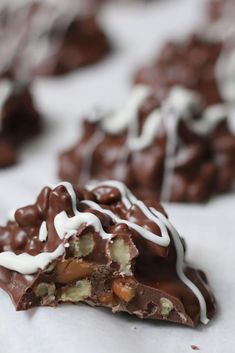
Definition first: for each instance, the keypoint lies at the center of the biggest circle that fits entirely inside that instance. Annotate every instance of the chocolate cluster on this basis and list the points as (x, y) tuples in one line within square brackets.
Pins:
[(19, 120), (180, 151), (102, 246)]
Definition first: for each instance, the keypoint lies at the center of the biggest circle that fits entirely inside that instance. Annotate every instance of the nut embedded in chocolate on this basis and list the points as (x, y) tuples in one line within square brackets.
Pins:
[(101, 253)]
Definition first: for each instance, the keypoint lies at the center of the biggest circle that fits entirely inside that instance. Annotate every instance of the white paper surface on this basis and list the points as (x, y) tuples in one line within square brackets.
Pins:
[(208, 229)]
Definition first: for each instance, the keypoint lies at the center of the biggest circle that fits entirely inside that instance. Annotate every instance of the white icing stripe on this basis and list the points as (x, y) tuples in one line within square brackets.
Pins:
[(88, 154), (67, 226), (181, 103), (180, 267), (158, 217), (70, 191), (43, 232), (5, 91), (213, 115), (150, 129), (28, 264), (163, 240), (169, 161), (11, 215), (119, 122)]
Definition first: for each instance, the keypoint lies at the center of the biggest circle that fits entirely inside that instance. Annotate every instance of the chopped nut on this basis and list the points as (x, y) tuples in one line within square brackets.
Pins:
[(151, 309), (77, 292), (107, 298), (124, 288), (166, 306), (120, 253), (45, 289), (72, 270), (84, 245)]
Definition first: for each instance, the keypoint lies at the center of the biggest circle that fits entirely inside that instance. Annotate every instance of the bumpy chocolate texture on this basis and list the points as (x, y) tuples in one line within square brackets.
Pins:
[(221, 10), (40, 40), (170, 149), (19, 120), (191, 63), (101, 246)]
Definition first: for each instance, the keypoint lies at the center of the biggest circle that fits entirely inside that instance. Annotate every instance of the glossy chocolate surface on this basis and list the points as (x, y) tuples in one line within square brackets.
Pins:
[(150, 287), (46, 40)]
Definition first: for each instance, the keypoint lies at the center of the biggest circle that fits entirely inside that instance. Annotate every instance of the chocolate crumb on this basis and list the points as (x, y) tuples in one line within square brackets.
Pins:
[(195, 348)]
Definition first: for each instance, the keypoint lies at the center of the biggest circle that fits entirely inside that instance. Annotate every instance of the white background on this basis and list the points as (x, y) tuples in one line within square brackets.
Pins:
[(137, 31)]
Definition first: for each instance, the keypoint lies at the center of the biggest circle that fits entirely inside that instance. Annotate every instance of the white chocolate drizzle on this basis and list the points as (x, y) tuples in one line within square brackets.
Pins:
[(66, 226), (180, 104), (225, 70), (122, 120), (5, 91), (43, 232), (28, 264), (151, 127), (163, 240), (11, 215), (164, 224), (88, 154)]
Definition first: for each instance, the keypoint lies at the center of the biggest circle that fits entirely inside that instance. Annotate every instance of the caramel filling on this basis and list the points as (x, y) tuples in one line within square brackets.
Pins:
[(73, 270), (124, 288)]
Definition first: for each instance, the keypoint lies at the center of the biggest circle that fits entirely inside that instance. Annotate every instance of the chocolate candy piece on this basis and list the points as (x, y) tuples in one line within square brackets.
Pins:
[(101, 246), (191, 64), (40, 39), (221, 10), (19, 120), (169, 148)]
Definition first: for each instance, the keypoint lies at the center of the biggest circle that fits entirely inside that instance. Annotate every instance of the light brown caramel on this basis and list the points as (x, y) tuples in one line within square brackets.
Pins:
[(124, 288), (107, 298), (72, 270)]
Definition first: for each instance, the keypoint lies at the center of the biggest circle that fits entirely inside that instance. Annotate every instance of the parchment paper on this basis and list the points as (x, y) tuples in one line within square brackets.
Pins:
[(137, 31)]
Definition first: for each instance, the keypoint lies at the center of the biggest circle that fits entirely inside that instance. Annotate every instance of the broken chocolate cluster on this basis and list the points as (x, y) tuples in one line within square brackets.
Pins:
[(102, 246)]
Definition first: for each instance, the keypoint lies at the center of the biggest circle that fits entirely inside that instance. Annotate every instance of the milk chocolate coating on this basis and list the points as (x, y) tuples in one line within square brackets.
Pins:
[(48, 44), (153, 268), (203, 165), (191, 64), (19, 122)]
